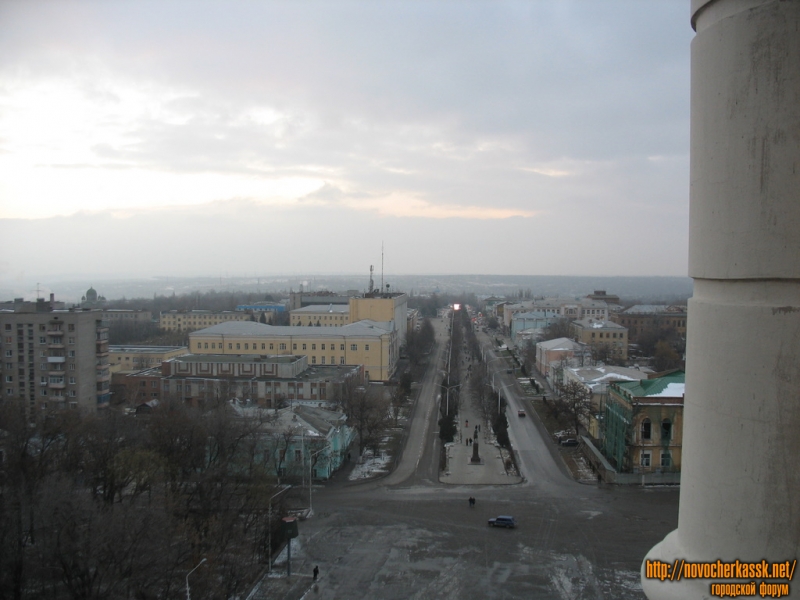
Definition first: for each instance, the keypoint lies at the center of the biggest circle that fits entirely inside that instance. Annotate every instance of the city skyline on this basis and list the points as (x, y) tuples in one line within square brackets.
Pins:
[(525, 138)]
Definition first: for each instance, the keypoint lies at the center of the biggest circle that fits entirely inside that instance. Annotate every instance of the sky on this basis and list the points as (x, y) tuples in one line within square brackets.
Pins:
[(252, 138)]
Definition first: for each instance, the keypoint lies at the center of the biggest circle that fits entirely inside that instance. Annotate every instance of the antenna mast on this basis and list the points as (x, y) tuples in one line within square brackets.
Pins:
[(381, 267)]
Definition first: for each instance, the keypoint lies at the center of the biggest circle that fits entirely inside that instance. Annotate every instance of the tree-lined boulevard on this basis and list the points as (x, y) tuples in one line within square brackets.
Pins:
[(412, 535)]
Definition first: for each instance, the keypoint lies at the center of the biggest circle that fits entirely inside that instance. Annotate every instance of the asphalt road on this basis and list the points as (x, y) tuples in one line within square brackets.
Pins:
[(409, 536)]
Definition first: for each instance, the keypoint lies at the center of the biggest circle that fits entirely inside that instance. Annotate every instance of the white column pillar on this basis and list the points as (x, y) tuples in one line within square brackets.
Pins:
[(740, 482)]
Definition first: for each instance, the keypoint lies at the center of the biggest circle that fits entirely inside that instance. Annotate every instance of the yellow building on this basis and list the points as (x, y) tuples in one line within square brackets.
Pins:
[(373, 307), (331, 315), (605, 338), (375, 345), (135, 358), (191, 320)]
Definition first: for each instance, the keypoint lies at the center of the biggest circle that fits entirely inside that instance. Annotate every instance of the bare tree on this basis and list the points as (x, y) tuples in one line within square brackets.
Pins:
[(575, 402)]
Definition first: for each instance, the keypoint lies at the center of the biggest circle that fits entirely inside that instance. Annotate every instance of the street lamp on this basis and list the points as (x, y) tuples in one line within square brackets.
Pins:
[(188, 594)]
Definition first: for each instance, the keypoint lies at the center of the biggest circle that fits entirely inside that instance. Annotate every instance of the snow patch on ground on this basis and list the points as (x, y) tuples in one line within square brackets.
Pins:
[(370, 466)]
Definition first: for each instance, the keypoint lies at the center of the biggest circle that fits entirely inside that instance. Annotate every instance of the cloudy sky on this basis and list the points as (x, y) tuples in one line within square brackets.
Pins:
[(167, 138)]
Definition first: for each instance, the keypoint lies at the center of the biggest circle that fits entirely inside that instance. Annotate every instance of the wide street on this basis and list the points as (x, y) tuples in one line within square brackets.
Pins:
[(413, 535)]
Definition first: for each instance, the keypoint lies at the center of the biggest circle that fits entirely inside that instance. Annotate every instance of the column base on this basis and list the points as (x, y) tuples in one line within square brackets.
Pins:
[(668, 551)]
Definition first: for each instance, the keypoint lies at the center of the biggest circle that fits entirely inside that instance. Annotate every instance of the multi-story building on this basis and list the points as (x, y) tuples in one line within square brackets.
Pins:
[(192, 320), (644, 317), (643, 426), (136, 358), (265, 381), (332, 315), (606, 339), (564, 308), (55, 359), (125, 315), (553, 356), (379, 307), (371, 344)]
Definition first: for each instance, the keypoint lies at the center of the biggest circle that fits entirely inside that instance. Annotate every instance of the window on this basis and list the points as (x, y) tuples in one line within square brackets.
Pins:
[(323, 346), (304, 346), (341, 360), (666, 429), (230, 346), (42, 340), (271, 346), (313, 360), (71, 340), (238, 345), (366, 347), (71, 327), (645, 459), (43, 392), (341, 347), (247, 347), (282, 346), (323, 360), (294, 346), (71, 353), (71, 366), (9, 353), (313, 346), (72, 394), (72, 380), (9, 379), (8, 326), (298, 455), (646, 429), (154, 383), (205, 345), (43, 366), (666, 459), (353, 347)]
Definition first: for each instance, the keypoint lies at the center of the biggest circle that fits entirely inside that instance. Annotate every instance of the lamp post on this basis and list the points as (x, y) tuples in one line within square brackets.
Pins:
[(188, 594)]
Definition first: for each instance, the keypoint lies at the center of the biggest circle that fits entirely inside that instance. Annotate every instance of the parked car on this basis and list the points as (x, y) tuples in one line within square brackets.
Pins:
[(569, 442), (503, 521), (520, 413)]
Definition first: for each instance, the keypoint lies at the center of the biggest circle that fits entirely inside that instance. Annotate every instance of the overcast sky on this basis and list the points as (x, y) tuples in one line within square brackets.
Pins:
[(168, 138)]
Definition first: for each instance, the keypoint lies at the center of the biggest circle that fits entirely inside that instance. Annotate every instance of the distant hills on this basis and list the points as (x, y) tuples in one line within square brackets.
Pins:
[(642, 289)]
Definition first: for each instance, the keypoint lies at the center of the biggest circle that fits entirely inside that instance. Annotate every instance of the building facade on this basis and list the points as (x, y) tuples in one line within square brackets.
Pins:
[(134, 358), (645, 317), (253, 380), (606, 339), (643, 425), (55, 359), (332, 315), (192, 320), (373, 345)]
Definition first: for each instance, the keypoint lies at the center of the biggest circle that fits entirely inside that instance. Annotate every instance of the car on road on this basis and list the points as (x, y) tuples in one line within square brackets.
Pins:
[(520, 413), (503, 521), (569, 442)]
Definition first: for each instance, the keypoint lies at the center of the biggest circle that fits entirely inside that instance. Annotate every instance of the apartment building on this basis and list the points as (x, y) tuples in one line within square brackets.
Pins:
[(644, 317), (126, 315), (55, 359)]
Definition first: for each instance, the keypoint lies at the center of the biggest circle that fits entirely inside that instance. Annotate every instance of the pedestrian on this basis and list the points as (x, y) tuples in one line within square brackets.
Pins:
[(316, 572)]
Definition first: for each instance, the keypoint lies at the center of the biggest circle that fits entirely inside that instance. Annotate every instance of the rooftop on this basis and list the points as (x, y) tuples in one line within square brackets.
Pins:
[(365, 328)]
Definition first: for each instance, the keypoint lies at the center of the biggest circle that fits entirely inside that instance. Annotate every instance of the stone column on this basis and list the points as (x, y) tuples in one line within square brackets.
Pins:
[(740, 482)]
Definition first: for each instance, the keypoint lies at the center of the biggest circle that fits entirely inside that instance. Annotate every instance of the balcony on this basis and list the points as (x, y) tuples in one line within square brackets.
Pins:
[(56, 386), (53, 372), (56, 359), (55, 332), (56, 345)]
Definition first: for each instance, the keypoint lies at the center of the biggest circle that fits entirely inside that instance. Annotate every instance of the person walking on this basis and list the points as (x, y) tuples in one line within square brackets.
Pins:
[(316, 572)]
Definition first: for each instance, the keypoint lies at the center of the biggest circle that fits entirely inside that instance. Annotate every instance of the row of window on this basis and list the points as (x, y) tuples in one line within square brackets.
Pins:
[(608, 335), (281, 346), (647, 429), (645, 459)]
